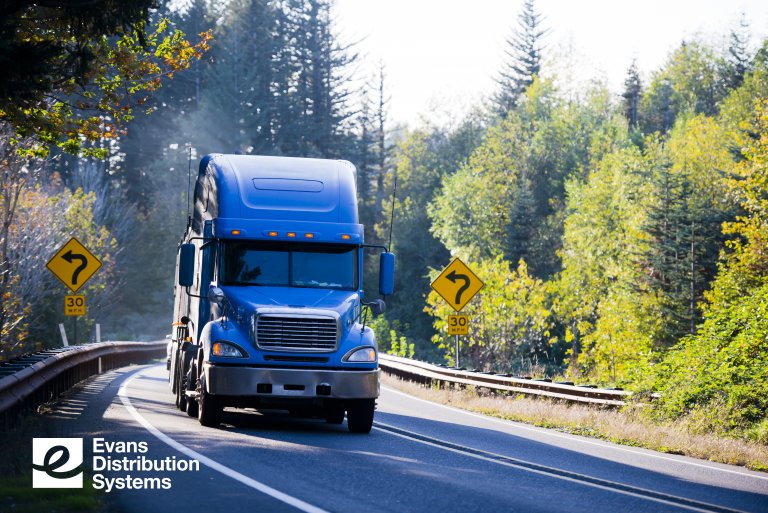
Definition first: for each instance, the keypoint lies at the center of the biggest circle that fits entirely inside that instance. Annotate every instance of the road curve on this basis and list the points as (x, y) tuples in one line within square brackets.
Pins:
[(419, 457)]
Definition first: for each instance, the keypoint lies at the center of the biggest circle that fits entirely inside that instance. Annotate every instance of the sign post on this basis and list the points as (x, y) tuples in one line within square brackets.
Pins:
[(73, 265), (457, 284)]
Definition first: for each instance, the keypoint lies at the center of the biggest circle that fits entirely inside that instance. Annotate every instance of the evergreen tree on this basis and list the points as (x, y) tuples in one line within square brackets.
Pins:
[(670, 257), (684, 218), (737, 59), (633, 90), (381, 151), (658, 112), (523, 54)]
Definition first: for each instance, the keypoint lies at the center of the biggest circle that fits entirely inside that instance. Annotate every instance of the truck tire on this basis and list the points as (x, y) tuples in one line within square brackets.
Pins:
[(181, 396), (360, 415), (193, 408), (190, 380), (209, 407)]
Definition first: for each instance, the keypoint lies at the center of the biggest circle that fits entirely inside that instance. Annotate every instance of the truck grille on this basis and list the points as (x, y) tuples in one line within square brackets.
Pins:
[(287, 333)]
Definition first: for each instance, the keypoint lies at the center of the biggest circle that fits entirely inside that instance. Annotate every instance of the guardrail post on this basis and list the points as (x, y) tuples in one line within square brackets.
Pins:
[(63, 335)]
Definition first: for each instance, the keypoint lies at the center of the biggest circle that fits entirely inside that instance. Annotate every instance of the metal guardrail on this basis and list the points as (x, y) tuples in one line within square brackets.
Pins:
[(427, 373), (28, 381)]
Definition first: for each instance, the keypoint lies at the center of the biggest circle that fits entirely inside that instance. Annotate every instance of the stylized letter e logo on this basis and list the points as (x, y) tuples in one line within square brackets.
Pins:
[(57, 463)]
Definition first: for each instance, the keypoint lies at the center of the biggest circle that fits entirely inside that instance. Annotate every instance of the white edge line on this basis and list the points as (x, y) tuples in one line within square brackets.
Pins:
[(638, 494), (519, 425), (208, 462)]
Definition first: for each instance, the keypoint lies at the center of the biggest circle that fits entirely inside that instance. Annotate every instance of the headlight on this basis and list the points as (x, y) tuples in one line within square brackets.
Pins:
[(362, 354), (226, 349)]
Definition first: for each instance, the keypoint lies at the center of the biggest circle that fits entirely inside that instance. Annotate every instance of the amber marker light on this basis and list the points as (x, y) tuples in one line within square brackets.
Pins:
[(291, 234), (235, 232), (309, 235), (345, 236), (272, 234)]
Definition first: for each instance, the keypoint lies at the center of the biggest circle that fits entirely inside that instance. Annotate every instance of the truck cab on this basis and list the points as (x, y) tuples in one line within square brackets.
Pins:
[(268, 309)]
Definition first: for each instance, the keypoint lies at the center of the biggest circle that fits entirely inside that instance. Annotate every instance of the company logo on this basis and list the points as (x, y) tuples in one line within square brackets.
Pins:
[(57, 463)]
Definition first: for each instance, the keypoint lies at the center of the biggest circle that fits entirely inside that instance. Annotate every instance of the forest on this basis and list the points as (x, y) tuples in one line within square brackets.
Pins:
[(621, 236)]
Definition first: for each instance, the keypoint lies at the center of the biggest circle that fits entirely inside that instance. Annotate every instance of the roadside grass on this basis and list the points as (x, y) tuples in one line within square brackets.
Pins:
[(16, 492), (18, 496), (627, 426)]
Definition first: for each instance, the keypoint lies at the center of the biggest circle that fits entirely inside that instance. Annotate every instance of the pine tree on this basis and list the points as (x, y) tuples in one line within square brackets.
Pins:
[(658, 111), (523, 58), (683, 254), (633, 90), (737, 59), (371, 154)]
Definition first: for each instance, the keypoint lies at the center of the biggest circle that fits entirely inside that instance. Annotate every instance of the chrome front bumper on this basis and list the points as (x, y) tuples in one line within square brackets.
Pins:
[(299, 383)]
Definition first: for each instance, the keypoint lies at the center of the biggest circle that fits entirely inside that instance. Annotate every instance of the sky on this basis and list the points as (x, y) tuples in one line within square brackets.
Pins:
[(441, 56)]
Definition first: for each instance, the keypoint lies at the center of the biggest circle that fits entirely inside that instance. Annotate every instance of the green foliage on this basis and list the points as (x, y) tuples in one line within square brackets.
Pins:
[(509, 199), (44, 46), (75, 110), (398, 343), (688, 204), (689, 83), (608, 319), (746, 264), (722, 371)]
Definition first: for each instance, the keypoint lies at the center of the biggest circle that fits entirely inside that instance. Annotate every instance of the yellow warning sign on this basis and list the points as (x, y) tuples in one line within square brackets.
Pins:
[(458, 325), (74, 305), (457, 284), (73, 264)]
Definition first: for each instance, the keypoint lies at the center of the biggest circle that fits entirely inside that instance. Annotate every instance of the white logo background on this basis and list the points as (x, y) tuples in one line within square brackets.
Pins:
[(41, 446)]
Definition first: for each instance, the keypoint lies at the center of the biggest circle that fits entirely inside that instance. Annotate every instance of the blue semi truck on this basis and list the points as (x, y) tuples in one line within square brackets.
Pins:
[(268, 310)]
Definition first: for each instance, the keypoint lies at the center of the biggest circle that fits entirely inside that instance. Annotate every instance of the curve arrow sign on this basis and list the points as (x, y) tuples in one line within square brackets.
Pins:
[(71, 257), (457, 284), (453, 276)]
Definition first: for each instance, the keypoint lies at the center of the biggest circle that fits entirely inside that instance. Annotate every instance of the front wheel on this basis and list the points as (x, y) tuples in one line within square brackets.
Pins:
[(209, 407), (360, 415)]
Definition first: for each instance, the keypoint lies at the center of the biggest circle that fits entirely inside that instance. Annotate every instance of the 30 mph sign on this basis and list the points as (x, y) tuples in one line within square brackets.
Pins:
[(457, 284), (73, 264)]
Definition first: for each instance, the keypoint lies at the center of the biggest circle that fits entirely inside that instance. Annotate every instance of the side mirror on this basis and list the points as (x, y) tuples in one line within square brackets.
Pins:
[(387, 273), (186, 265), (216, 296), (377, 307)]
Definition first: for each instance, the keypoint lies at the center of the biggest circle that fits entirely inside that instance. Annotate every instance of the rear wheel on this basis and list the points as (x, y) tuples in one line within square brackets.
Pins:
[(181, 396), (360, 415), (192, 405)]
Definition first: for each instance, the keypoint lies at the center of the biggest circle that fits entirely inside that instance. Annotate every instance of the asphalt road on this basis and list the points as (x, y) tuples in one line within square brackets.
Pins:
[(420, 457)]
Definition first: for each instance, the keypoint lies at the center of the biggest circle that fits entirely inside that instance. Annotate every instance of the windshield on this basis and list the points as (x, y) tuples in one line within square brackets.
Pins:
[(276, 264)]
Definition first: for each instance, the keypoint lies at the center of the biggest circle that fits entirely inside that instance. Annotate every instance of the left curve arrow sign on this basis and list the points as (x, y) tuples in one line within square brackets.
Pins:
[(453, 276), (71, 257)]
